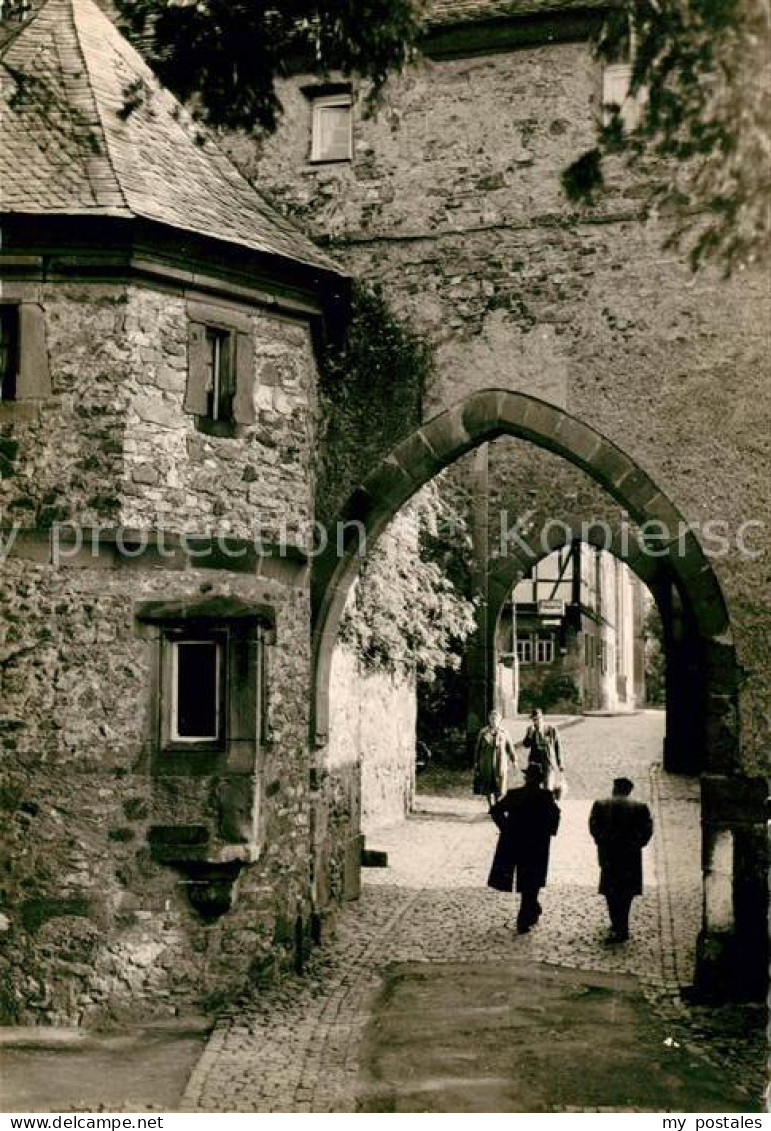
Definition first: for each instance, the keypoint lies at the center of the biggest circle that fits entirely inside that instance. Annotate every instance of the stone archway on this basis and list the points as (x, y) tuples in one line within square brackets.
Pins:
[(690, 582), (484, 416)]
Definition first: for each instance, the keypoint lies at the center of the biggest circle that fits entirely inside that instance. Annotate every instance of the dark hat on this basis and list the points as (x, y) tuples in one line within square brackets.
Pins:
[(623, 785), (533, 772)]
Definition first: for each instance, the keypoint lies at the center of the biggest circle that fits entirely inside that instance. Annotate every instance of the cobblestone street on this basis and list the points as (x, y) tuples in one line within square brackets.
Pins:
[(298, 1046)]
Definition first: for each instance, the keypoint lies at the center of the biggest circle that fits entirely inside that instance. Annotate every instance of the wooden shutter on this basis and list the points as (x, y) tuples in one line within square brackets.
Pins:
[(34, 377), (197, 358), (243, 401)]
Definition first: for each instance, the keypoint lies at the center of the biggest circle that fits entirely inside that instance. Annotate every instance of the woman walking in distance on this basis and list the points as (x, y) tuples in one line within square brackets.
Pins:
[(492, 751)]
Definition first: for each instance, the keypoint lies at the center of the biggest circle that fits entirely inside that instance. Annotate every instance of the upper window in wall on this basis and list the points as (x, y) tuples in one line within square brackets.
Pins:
[(197, 688), (332, 127), (544, 653), (9, 351)]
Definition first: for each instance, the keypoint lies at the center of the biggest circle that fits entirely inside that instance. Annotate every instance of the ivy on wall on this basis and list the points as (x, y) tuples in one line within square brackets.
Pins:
[(410, 609)]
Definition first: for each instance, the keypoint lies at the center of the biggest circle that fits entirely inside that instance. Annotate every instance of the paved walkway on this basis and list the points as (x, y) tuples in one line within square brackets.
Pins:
[(298, 1046)]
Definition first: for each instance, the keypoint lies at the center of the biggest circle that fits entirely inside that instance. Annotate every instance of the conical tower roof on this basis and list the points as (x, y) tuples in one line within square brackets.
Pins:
[(86, 129)]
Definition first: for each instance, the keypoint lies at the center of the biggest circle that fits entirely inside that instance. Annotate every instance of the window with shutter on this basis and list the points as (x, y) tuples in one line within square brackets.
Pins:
[(332, 130), (9, 351), (24, 371)]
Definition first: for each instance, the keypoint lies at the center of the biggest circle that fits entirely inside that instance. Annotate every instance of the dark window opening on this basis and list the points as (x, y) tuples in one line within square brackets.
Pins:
[(9, 352), (197, 674)]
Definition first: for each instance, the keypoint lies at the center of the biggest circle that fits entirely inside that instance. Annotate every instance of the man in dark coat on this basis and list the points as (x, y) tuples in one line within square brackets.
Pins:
[(528, 818), (621, 828)]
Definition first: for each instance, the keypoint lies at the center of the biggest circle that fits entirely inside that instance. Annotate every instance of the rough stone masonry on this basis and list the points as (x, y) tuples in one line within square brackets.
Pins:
[(452, 202)]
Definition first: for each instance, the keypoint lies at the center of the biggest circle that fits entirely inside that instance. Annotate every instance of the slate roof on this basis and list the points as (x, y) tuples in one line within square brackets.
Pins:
[(68, 146), (442, 13)]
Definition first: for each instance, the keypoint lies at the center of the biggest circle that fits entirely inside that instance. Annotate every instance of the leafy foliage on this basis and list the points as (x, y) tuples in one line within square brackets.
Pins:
[(406, 611), (224, 55), (702, 72), (553, 693), (655, 659)]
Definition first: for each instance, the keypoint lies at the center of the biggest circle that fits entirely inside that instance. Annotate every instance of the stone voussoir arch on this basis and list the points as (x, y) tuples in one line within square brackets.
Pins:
[(480, 417)]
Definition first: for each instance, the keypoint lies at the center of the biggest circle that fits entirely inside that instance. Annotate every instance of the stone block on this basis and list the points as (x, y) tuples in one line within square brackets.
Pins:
[(482, 414), (446, 434), (417, 459), (389, 484), (731, 800), (610, 467), (578, 439), (638, 491)]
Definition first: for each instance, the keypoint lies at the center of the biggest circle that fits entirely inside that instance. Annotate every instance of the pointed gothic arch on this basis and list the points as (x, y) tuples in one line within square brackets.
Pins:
[(484, 416)]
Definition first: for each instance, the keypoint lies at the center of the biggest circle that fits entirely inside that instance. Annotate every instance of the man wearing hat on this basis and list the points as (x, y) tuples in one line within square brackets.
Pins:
[(528, 818), (621, 828)]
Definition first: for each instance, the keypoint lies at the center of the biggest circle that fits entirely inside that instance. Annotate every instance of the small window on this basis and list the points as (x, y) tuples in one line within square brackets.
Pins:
[(544, 650), (220, 377), (525, 649), (617, 96), (221, 371), (332, 128), (9, 351), (197, 681)]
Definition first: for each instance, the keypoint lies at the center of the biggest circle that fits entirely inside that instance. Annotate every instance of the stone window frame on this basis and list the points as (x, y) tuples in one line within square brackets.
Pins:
[(32, 377), (325, 96), (246, 631), (203, 318), (524, 647)]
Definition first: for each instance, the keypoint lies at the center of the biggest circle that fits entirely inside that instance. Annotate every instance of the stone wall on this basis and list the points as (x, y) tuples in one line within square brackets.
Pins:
[(368, 765), (96, 927), (96, 921), (452, 202)]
